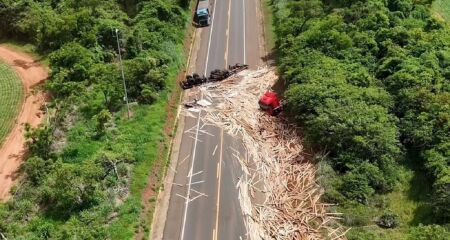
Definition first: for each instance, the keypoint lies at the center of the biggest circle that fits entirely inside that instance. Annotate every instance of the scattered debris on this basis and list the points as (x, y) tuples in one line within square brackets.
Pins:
[(279, 196), (196, 110), (215, 75), (215, 149), (204, 103), (3, 236)]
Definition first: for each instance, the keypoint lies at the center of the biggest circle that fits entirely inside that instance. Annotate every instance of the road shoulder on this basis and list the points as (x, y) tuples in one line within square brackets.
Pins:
[(162, 203), (163, 200)]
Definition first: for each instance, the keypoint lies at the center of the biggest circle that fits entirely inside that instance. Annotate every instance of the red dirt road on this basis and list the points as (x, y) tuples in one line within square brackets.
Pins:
[(13, 151)]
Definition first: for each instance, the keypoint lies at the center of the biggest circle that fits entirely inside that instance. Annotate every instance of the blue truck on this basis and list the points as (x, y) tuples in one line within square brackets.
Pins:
[(202, 14)]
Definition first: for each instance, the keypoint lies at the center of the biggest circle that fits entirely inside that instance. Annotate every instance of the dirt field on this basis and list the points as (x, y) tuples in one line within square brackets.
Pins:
[(12, 152)]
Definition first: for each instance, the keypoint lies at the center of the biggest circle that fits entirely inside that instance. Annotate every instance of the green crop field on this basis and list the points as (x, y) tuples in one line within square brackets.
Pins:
[(11, 95), (442, 9)]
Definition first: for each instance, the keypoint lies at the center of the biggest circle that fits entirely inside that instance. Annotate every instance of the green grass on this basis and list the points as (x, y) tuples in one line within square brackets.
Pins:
[(11, 95), (442, 9), (409, 201), (141, 136), (146, 121), (269, 29)]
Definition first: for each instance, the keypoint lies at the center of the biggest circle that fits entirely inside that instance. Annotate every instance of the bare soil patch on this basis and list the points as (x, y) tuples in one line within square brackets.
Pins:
[(13, 150)]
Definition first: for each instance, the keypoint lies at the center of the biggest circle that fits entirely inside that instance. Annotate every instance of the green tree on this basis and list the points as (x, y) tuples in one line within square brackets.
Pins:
[(356, 187), (39, 141), (303, 11), (72, 188), (101, 120), (36, 169), (366, 130), (441, 195), (106, 78), (74, 58)]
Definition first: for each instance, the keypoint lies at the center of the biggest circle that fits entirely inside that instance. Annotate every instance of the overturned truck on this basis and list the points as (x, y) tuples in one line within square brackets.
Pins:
[(215, 75)]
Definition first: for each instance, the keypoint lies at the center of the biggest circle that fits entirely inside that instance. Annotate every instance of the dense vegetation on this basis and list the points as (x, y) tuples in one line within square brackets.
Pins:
[(11, 94), (369, 80), (87, 168)]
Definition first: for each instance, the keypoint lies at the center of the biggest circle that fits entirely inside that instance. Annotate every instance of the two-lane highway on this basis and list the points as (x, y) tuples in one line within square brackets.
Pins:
[(204, 200)]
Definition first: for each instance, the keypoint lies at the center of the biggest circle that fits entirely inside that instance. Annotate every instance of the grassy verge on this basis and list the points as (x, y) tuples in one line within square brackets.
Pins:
[(441, 8), (145, 138), (141, 136), (409, 201), (140, 144), (155, 182), (269, 29), (11, 96), (155, 154)]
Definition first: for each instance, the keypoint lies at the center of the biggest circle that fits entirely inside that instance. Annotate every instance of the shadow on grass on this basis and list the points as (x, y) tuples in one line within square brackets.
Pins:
[(270, 58), (420, 190)]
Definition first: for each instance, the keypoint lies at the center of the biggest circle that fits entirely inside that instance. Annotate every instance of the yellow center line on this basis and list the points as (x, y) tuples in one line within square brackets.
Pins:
[(219, 175), (219, 167), (228, 34)]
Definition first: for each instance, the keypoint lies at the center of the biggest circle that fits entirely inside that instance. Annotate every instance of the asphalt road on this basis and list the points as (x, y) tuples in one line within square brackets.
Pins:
[(204, 200)]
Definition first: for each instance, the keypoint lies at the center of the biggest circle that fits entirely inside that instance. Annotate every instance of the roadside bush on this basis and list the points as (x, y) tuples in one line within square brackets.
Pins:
[(72, 188), (141, 74), (101, 120), (441, 196), (388, 220), (429, 232), (36, 169), (356, 186), (39, 141), (107, 81), (381, 181), (75, 59), (148, 95), (330, 182)]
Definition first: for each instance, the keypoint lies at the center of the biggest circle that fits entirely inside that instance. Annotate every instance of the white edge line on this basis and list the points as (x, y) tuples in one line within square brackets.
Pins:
[(190, 178)]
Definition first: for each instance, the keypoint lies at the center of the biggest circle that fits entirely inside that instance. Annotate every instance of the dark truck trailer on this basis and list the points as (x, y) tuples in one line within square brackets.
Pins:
[(202, 15)]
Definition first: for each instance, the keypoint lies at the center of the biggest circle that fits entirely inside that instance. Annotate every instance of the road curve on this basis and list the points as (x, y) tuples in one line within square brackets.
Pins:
[(13, 152)]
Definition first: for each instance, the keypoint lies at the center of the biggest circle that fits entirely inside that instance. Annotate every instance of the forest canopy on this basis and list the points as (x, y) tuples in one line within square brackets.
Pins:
[(369, 82), (88, 167)]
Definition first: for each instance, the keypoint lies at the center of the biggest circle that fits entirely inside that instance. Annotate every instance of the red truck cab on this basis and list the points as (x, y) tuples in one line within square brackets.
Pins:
[(270, 103)]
